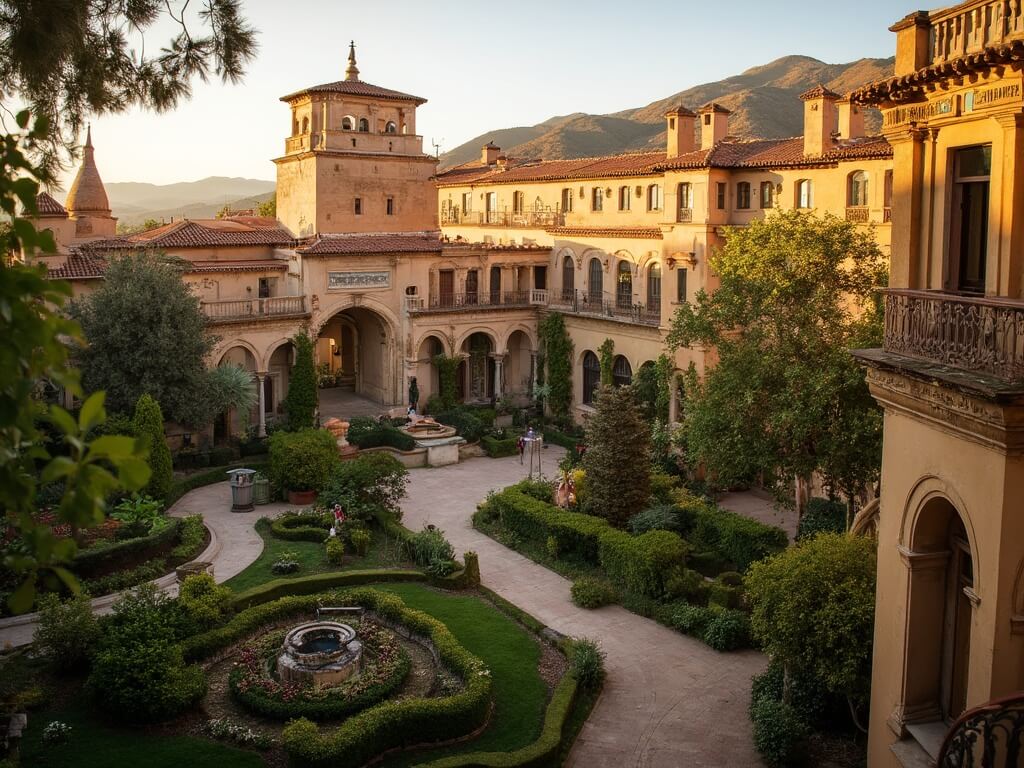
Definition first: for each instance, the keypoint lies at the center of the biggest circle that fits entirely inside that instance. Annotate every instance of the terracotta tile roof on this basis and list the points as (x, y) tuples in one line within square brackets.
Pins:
[(356, 88), (200, 233), (248, 265), (653, 233), (47, 206), (611, 166), (819, 92), (79, 266), (388, 242), (459, 244)]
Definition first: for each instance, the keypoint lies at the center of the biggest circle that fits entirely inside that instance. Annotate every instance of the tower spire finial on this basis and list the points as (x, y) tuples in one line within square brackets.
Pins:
[(88, 136), (352, 73)]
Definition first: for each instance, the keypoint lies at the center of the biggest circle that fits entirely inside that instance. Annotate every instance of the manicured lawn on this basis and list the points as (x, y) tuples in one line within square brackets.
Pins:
[(512, 656), (96, 744), (312, 557)]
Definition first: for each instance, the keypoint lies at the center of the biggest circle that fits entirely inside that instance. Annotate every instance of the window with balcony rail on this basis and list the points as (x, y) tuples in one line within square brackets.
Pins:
[(654, 287), (518, 202), (595, 282), (857, 190), (684, 200), (568, 278), (970, 214), (624, 286)]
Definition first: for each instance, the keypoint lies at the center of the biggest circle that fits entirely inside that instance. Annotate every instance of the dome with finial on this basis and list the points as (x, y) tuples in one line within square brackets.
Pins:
[(352, 73), (87, 194)]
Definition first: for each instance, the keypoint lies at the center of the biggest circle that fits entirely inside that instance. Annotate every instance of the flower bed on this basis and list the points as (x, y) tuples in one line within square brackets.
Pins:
[(385, 667)]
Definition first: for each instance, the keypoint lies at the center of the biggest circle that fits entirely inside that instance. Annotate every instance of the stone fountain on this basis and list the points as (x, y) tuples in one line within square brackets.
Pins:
[(321, 653)]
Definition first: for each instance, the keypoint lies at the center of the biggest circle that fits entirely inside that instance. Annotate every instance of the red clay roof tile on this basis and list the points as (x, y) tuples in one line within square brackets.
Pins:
[(393, 242)]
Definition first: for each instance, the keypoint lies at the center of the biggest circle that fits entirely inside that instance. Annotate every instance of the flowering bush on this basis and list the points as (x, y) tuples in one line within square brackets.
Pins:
[(385, 666), (287, 562), (225, 729), (56, 732)]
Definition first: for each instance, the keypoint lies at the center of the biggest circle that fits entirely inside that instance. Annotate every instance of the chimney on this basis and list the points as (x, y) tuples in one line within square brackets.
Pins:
[(714, 124), (913, 36), (851, 119), (489, 154), (680, 132), (502, 162), (820, 120)]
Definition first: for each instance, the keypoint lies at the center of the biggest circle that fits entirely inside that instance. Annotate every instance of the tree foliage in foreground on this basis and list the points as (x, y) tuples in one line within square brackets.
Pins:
[(786, 398), (33, 353), (618, 456)]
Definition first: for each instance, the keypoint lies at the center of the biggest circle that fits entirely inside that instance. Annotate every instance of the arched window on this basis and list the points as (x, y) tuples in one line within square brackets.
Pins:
[(597, 201), (857, 192), (743, 195), (624, 286), (624, 198), (390, 127), (591, 376), (654, 197), (595, 282), (887, 192), (305, 125), (804, 194), (767, 194), (568, 278), (518, 201), (364, 125), (654, 287), (347, 122), (622, 373), (684, 197)]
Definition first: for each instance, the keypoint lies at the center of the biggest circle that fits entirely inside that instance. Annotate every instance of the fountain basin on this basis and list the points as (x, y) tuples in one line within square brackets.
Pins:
[(320, 653)]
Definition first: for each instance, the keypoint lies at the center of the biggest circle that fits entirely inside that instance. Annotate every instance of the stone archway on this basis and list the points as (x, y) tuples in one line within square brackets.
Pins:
[(236, 422), (357, 346)]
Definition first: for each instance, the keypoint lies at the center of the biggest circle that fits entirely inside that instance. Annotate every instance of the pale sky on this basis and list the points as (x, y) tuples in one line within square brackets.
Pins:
[(481, 67)]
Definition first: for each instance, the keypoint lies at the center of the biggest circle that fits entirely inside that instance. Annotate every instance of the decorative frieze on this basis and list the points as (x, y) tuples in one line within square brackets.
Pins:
[(341, 281)]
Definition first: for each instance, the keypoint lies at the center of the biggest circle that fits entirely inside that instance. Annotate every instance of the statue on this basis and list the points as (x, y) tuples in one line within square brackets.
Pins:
[(414, 394)]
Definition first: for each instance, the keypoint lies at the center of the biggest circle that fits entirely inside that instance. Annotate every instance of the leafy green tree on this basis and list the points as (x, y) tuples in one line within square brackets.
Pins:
[(557, 352), (146, 334), (813, 609), (368, 486), (617, 460), (301, 402), (606, 357), (149, 425), (786, 399), (268, 208), (68, 59), (33, 352)]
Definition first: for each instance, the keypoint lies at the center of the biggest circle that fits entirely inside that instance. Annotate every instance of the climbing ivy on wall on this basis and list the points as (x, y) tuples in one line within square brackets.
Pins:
[(447, 368), (557, 353), (606, 354)]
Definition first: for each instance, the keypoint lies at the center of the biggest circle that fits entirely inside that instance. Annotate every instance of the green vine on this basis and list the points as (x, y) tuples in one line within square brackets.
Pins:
[(557, 353), (447, 368), (606, 353)]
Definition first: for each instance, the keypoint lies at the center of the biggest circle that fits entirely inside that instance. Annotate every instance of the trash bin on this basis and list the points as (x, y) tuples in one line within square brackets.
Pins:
[(260, 490), (241, 489)]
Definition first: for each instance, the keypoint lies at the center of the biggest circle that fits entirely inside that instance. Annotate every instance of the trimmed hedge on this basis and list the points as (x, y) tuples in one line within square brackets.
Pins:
[(638, 564), (91, 562), (308, 585), (555, 437), (385, 435), (736, 539), (400, 723), (498, 448), (294, 526)]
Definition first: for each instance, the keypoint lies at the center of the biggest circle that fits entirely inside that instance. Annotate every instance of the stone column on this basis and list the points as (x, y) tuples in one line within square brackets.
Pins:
[(261, 391), (534, 372), (673, 400), (498, 364)]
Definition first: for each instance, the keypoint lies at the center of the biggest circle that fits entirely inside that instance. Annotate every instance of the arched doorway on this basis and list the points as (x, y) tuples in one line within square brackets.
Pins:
[(427, 376), (275, 385), (591, 376), (476, 373), (236, 422), (624, 286), (518, 366), (356, 346)]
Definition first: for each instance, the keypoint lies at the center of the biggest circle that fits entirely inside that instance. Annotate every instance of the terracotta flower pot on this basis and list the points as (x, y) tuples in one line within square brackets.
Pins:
[(301, 498)]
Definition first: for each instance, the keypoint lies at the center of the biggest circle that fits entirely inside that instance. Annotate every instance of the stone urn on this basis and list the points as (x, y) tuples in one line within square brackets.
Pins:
[(338, 430)]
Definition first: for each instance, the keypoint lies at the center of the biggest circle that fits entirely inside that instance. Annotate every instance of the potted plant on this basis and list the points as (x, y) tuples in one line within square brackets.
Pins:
[(301, 463)]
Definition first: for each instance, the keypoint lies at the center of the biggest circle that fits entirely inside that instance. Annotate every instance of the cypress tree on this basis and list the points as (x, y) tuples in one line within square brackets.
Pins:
[(301, 402), (149, 426)]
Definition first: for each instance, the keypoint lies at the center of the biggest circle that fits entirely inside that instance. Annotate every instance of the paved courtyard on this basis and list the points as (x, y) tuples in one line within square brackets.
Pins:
[(669, 701), (336, 402)]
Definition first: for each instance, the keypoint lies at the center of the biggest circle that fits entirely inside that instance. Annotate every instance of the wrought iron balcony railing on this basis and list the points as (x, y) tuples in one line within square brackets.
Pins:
[(254, 309), (684, 215), (607, 305), (989, 736), (531, 219), (978, 334), (971, 27), (858, 214), (453, 302)]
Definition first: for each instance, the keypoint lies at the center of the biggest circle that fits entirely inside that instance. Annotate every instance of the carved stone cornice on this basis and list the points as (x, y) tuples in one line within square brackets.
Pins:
[(923, 561)]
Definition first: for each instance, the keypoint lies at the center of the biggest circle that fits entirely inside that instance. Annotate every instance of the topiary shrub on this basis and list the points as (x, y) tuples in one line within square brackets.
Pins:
[(302, 461), (67, 630), (662, 487), (588, 592), (301, 401), (822, 516), (618, 442), (148, 423), (779, 734), (301, 526), (662, 517), (727, 630), (586, 662)]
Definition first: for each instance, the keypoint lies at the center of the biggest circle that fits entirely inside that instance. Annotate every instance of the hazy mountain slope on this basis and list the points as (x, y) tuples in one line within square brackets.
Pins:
[(764, 100)]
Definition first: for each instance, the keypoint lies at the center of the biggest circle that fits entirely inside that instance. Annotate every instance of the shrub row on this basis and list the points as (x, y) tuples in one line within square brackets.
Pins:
[(497, 448), (308, 585), (638, 564), (93, 562), (736, 539), (296, 526), (190, 458), (400, 723)]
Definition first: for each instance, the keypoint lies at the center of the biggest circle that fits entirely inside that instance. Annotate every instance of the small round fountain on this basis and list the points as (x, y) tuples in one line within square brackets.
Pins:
[(426, 428), (322, 653)]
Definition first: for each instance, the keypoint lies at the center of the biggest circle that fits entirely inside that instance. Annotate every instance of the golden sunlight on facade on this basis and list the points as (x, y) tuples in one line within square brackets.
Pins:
[(949, 626)]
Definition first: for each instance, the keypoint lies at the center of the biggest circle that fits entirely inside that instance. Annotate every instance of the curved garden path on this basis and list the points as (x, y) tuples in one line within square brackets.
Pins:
[(234, 545), (669, 700)]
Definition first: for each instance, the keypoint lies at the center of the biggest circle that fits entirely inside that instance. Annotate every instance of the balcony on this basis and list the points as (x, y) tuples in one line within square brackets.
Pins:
[(236, 310), (976, 334), (972, 27), (684, 215), (471, 302), (858, 214), (607, 306), (537, 219), (991, 736)]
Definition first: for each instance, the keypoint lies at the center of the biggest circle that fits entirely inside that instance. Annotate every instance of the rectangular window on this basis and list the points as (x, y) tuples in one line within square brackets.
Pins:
[(566, 200), (969, 235), (264, 288), (359, 206), (467, 202), (721, 195), (767, 194), (681, 285), (518, 202), (624, 198), (743, 195), (804, 194), (654, 197), (685, 202), (540, 278), (597, 202), (390, 206)]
